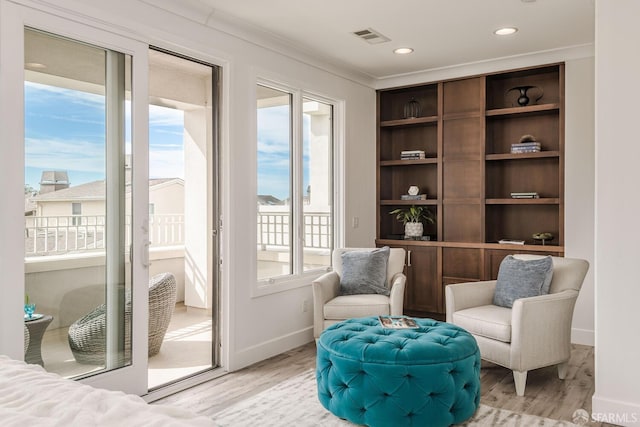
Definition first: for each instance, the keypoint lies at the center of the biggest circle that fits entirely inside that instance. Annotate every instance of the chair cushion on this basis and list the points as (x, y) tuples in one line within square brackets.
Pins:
[(364, 272), (519, 278), (348, 306), (489, 321)]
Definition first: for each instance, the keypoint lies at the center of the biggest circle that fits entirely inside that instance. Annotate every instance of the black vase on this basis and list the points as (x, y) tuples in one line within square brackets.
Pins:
[(412, 109), (523, 97)]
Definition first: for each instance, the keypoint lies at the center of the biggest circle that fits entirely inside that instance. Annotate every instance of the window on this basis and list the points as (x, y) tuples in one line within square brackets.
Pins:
[(76, 211), (295, 183)]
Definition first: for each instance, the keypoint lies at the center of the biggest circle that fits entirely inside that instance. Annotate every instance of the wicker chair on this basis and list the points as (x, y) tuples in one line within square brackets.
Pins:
[(27, 339), (87, 335)]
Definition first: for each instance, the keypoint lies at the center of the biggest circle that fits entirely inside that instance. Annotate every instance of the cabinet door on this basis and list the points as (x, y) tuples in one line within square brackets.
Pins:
[(423, 292)]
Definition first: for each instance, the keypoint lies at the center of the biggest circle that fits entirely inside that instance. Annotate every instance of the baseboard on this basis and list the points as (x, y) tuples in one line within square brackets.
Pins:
[(583, 336), (267, 349), (615, 411)]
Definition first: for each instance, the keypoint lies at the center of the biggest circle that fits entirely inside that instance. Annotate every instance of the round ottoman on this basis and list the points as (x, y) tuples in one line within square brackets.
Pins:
[(429, 376)]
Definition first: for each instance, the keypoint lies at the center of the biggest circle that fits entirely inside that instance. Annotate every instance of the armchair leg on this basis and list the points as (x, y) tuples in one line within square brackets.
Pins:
[(520, 380), (562, 369)]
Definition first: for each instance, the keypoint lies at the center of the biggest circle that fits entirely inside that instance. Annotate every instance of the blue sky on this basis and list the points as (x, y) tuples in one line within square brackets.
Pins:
[(64, 130), (274, 153)]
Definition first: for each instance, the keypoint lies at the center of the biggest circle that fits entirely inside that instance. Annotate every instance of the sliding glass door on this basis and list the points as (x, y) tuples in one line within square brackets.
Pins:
[(83, 234), (77, 155)]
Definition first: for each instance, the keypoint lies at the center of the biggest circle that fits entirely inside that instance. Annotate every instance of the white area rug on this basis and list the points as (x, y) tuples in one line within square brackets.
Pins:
[(295, 403)]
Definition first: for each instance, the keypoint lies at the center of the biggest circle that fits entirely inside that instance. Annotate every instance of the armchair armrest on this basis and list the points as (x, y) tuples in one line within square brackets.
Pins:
[(396, 296), (460, 296), (541, 330), (325, 288)]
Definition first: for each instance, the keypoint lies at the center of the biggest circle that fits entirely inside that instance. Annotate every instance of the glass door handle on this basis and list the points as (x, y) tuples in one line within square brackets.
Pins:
[(144, 254)]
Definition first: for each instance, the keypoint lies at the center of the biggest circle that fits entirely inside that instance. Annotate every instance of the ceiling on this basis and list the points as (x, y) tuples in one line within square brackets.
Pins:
[(443, 33)]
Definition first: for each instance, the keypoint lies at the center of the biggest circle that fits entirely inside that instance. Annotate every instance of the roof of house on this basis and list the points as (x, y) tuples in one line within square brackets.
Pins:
[(94, 190), (268, 200), (29, 204)]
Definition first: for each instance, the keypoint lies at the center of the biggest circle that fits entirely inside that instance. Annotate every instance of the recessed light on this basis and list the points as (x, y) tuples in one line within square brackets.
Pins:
[(505, 31), (403, 50), (35, 65)]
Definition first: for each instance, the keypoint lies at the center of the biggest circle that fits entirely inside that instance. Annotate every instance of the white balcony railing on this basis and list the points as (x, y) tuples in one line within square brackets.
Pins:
[(57, 235), (273, 230)]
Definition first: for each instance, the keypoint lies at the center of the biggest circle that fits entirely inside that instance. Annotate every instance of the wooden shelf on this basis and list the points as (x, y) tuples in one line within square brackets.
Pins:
[(523, 110), (468, 129), (409, 202), (464, 245), (409, 122), (520, 156), (540, 201), (427, 161)]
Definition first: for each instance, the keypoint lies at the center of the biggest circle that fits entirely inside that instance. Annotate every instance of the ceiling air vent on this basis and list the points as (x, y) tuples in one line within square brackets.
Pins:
[(371, 36)]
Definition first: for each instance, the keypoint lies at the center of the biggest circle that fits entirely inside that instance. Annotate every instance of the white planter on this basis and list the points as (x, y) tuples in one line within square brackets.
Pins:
[(413, 229)]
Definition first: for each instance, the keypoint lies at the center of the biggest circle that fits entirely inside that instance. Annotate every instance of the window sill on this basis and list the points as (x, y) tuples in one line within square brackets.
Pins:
[(286, 283)]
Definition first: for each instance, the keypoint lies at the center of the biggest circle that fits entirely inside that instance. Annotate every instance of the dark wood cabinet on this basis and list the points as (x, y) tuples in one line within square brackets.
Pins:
[(466, 128), (422, 272)]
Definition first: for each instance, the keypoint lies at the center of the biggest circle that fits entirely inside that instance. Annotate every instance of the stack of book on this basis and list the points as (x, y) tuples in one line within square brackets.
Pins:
[(525, 195), (525, 147), (412, 155), (412, 197)]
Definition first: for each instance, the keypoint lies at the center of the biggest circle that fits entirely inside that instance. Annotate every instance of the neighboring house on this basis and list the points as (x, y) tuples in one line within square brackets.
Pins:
[(166, 197)]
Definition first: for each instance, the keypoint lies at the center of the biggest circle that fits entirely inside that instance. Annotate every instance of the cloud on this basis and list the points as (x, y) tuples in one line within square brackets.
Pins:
[(46, 93), (65, 154), (164, 116), (166, 164)]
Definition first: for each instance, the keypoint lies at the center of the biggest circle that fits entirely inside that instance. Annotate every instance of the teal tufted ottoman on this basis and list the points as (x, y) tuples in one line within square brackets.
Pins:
[(374, 376)]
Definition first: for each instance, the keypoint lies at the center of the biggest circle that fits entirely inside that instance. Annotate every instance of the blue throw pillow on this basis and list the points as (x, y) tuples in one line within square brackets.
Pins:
[(364, 272), (519, 278)]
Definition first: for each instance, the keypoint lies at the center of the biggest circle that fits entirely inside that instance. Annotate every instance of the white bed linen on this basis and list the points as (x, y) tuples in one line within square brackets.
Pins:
[(33, 397)]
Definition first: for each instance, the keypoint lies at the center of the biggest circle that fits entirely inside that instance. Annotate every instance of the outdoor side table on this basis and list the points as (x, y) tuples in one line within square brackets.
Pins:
[(36, 329)]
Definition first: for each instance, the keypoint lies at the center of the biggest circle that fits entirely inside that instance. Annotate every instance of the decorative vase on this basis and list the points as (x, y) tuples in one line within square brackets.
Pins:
[(412, 109), (413, 229), (29, 309), (523, 97)]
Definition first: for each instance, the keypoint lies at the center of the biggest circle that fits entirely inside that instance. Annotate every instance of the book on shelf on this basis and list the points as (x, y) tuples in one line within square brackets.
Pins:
[(412, 154), (526, 147), (412, 197), (397, 322), (525, 151), (525, 195), (510, 242)]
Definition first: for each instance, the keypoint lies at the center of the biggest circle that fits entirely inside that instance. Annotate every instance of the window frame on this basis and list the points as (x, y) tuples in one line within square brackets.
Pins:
[(299, 277)]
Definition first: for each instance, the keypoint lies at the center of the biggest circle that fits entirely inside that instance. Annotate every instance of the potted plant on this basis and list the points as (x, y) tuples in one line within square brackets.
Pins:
[(412, 218)]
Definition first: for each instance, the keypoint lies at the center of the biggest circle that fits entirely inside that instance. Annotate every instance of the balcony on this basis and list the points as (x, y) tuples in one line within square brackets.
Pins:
[(64, 276)]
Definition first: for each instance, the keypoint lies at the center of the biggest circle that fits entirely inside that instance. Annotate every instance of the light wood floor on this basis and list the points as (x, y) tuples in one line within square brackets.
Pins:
[(545, 394)]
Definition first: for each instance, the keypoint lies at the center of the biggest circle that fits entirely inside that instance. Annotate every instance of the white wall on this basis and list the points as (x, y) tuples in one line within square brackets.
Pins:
[(617, 379), (579, 186)]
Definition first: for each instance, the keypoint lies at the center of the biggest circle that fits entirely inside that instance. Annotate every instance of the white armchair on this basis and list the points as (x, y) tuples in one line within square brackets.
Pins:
[(330, 308), (534, 333)]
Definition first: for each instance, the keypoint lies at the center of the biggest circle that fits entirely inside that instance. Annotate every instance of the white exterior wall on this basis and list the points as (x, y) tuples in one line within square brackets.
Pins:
[(168, 198), (617, 377), (64, 208)]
